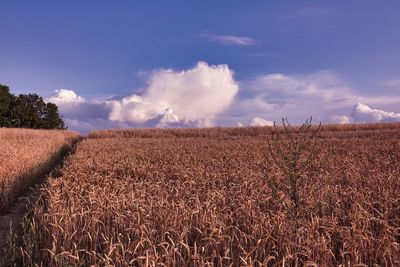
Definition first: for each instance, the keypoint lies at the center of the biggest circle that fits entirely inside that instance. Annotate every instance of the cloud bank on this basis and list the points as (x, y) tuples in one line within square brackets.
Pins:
[(322, 95), (188, 98), (208, 95)]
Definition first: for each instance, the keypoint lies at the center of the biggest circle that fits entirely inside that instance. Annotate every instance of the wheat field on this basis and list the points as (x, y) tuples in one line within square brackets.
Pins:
[(217, 197), (25, 155)]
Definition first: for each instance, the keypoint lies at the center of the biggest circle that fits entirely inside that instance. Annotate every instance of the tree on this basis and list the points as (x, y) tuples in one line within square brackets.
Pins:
[(5, 99), (52, 119), (28, 111)]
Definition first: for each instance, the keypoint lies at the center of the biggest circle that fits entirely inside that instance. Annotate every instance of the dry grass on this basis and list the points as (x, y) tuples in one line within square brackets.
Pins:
[(213, 197), (24, 156)]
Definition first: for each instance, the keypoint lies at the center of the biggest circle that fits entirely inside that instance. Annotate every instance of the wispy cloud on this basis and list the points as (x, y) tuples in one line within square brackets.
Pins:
[(229, 39)]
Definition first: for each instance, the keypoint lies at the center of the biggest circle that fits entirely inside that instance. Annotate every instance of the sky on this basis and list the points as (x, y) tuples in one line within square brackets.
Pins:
[(112, 64)]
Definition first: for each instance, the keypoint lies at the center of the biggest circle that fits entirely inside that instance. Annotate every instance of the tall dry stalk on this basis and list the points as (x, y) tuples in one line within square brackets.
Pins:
[(293, 150)]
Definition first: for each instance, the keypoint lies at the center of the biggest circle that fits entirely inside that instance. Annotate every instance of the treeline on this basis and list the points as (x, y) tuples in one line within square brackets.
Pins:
[(28, 111)]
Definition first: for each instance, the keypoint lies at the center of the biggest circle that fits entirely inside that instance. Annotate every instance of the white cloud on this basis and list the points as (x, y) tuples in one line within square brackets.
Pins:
[(364, 113), (206, 95), (189, 98), (340, 119), (194, 95), (230, 39), (257, 121), (297, 97), (168, 118), (64, 96), (322, 95)]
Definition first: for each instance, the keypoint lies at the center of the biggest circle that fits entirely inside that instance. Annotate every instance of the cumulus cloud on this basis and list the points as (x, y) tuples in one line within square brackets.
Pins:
[(75, 107), (168, 118), (229, 39), (257, 121), (192, 96), (340, 119), (65, 96), (188, 98), (208, 95), (364, 113)]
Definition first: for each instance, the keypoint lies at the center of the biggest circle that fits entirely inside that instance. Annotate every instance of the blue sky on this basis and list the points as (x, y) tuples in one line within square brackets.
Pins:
[(110, 50)]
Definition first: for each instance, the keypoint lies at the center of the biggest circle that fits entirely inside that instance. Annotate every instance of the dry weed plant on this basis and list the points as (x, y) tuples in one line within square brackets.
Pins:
[(293, 151), (200, 198)]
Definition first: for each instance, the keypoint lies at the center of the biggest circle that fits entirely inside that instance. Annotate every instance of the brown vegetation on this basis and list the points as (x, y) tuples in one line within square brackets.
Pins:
[(25, 155), (215, 197), (347, 130)]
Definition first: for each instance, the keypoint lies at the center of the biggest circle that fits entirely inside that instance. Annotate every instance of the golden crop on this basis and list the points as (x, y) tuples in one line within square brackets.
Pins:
[(214, 197), (25, 156)]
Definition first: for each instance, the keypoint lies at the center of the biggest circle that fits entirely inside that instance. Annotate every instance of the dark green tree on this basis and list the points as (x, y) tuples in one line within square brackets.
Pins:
[(28, 111), (5, 100), (51, 118)]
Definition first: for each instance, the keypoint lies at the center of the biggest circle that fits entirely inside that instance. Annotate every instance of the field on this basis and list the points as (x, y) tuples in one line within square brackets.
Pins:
[(218, 197), (25, 156)]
